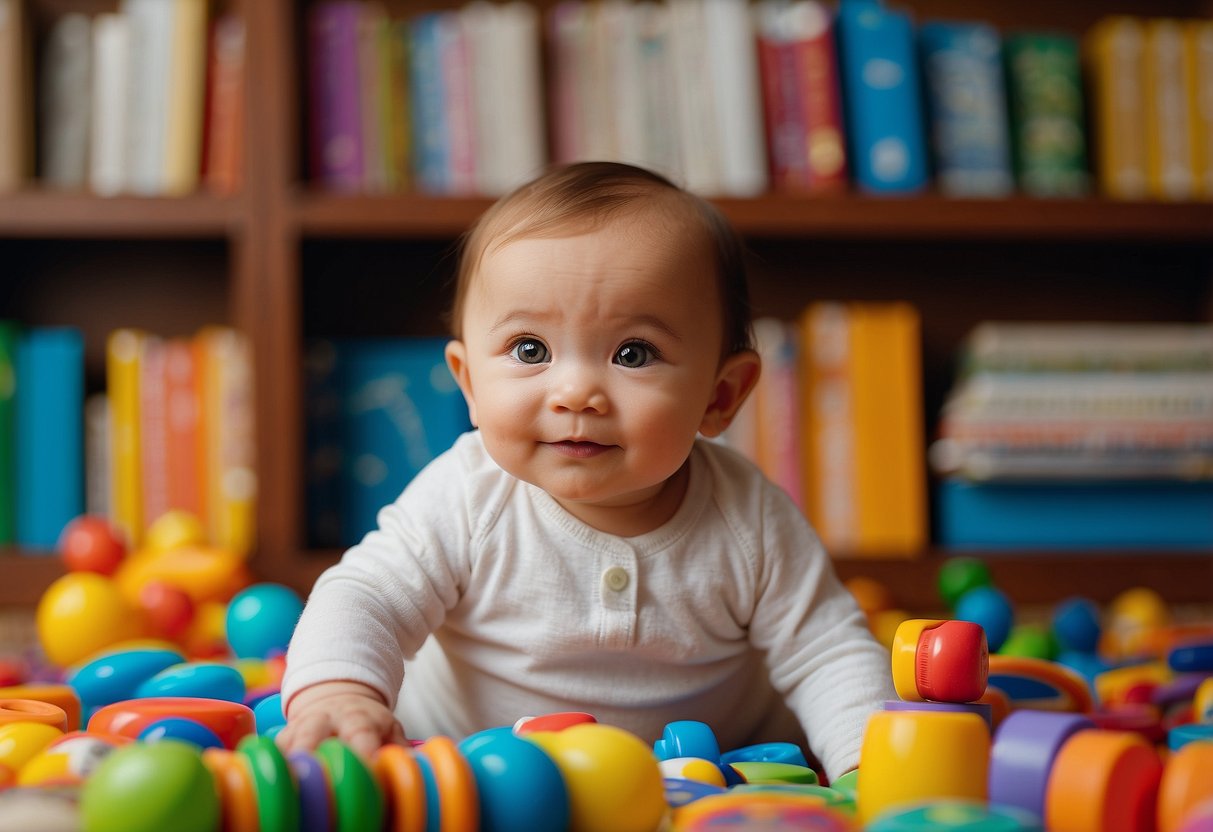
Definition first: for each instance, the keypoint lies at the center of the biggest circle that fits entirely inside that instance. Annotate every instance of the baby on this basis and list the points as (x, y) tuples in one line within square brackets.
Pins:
[(583, 549)]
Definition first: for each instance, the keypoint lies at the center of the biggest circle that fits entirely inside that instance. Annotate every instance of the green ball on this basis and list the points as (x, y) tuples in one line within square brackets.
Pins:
[(151, 787), (958, 575), (1029, 641)]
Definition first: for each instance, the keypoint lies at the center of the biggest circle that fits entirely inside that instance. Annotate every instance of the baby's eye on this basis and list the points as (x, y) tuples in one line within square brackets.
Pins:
[(635, 354), (530, 351)]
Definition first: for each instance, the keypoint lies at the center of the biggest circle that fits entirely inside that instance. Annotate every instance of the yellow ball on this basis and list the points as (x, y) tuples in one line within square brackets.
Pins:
[(612, 776), (1132, 618), (173, 530), (20, 742), (82, 613)]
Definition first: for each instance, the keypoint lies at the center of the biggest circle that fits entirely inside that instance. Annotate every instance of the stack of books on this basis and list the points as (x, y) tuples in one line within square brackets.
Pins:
[(1079, 436)]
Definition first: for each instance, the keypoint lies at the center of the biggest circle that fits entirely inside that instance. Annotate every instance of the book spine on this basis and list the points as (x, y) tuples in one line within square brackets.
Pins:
[(223, 169), (459, 103), (778, 407), (816, 65), (186, 93), (1115, 47), (1199, 41), (10, 336), (64, 102), (110, 104), (153, 430), (149, 72), (371, 88), (16, 105), (1170, 169), (430, 143), (733, 78), (695, 106), (335, 95), (182, 423), (656, 89), (97, 468), (123, 350), (787, 148), (50, 435)]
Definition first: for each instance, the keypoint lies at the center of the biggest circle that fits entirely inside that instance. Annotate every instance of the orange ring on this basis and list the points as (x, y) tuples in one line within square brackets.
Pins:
[(460, 804), (1185, 784), (64, 696), (237, 799), (32, 710), (403, 789), (1105, 780), (1066, 681)]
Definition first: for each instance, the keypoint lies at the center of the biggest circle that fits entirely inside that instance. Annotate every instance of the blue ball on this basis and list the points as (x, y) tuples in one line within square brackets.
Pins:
[(268, 713), (209, 680), (1076, 625), (990, 608), (180, 728), (519, 786), (261, 620)]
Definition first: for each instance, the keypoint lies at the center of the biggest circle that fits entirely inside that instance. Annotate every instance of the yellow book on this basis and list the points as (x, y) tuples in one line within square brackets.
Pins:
[(827, 436), (1114, 49), (1198, 40), (16, 97), (1168, 119), (122, 368), (226, 392), (889, 445), (186, 93)]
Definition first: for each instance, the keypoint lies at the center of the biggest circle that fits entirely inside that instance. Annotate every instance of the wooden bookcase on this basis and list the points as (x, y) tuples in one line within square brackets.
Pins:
[(286, 262)]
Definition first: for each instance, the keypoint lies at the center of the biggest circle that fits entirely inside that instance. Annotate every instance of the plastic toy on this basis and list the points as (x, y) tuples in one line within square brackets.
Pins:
[(915, 756), (959, 575), (764, 772), (612, 777), (268, 714), (551, 722), (1029, 640), (229, 720), (1130, 619), (182, 730), (32, 710), (679, 793), (81, 614), (175, 529), (761, 811), (400, 780), (277, 794), (207, 680), (1076, 625), (1187, 782), (687, 738), (1105, 780), (455, 783), (1021, 758), (234, 782), (518, 786), (957, 816), (91, 544), (69, 760), (115, 676), (316, 809), (261, 620), (357, 801), (168, 608), (1183, 735), (151, 787), (989, 607), (982, 709), (19, 743), (692, 768), (942, 661), (1039, 684), (1195, 656)]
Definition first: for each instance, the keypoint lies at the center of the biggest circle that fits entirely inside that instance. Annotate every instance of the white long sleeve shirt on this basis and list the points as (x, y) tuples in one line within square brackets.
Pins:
[(480, 600)]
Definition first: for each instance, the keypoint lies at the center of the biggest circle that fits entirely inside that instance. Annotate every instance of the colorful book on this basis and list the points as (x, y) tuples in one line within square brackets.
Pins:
[(123, 352), (64, 102), (335, 96), (459, 103), (777, 406), (1108, 515), (223, 159), (1115, 48), (1198, 38), (962, 71), (153, 430), (49, 434), (430, 141), (226, 397), (10, 337), (186, 96), (372, 87), (1170, 155), (183, 428), (885, 123)]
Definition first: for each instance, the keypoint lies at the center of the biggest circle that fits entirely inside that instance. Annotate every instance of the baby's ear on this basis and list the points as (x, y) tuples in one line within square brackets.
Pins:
[(457, 362), (734, 383)]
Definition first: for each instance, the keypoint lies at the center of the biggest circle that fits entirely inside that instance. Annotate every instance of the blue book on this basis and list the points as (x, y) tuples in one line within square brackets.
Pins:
[(387, 407), (427, 92), (1087, 515), (967, 105), (882, 97), (50, 434)]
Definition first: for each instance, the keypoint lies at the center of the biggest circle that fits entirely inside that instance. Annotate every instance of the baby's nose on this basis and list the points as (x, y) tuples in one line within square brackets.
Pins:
[(578, 394)]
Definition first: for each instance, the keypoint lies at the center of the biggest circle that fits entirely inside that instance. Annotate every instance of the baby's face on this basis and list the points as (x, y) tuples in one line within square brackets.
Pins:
[(590, 361)]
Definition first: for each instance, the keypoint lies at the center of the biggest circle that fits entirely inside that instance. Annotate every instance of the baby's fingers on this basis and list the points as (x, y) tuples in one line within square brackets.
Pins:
[(362, 733), (305, 733)]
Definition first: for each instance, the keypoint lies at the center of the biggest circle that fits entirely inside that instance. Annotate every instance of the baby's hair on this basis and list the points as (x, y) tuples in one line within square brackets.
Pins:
[(587, 194)]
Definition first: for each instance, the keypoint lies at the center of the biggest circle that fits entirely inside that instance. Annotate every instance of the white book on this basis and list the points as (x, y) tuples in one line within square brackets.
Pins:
[(148, 71), (659, 124), (699, 149), (622, 84), (733, 74), (64, 98), (568, 29), (110, 93)]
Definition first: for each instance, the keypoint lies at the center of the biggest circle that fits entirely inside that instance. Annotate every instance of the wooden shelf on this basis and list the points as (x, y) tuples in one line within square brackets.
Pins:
[(24, 577), (844, 216), (55, 214)]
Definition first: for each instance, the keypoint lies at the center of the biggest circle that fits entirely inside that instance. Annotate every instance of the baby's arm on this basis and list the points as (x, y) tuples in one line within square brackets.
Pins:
[(353, 712)]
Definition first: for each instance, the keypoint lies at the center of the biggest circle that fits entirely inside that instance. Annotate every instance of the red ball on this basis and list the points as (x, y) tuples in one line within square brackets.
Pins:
[(90, 544), (169, 608)]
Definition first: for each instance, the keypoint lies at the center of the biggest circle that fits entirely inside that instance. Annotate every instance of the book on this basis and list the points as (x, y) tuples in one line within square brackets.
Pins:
[(1094, 515), (389, 406), (97, 469), (1047, 114), (1198, 39), (777, 407), (110, 98), (49, 434), (1170, 155), (10, 336), (149, 74), (962, 71), (186, 94), (458, 102), (16, 105), (699, 146), (223, 160), (183, 428), (1115, 47), (335, 96), (123, 353), (153, 430), (733, 80), (430, 140), (1027, 346), (65, 102), (882, 97), (226, 401)]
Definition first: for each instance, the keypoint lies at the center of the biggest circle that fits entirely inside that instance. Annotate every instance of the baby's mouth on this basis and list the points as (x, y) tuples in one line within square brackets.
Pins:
[(578, 448)]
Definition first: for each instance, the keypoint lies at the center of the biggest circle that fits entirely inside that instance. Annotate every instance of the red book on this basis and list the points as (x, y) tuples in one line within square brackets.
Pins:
[(183, 427), (812, 40), (223, 138)]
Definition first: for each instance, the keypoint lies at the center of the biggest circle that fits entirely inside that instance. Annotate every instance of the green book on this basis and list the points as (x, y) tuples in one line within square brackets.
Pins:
[(10, 333), (1045, 99)]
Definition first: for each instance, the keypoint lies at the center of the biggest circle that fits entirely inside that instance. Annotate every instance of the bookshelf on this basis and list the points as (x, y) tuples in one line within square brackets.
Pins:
[(285, 262)]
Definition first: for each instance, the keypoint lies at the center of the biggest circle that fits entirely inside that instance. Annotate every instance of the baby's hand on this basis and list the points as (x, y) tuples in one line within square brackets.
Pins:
[(352, 712)]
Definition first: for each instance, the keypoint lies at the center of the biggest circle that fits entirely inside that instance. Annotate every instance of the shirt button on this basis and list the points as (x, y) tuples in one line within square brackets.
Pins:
[(615, 579)]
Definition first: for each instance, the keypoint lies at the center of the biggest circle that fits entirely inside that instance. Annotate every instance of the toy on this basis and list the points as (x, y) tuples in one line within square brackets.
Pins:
[(182, 730), (19, 743), (168, 608), (1039, 684), (80, 614), (959, 575), (767, 752), (207, 680), (1191, 656), (229, 720), (32, 710), (1131, 618), (551, 722), (400, 781), (943, 661), (261, 619), (268, 714), (687, 738), (316, 808), (982, 709), (234, 782), (957, 816), (1076, 625), (91, 544), (692, 768), (989, 607), (766, 772), (151, 787), (1187, 782), (1105, 780), (1183, 735), (277, 795), (175, 529), (914, 756), (1031, 640), (68, 760), (1021, 758), (761, 811), (456, 786), (115, 676), (612, 777), (518, 786)]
